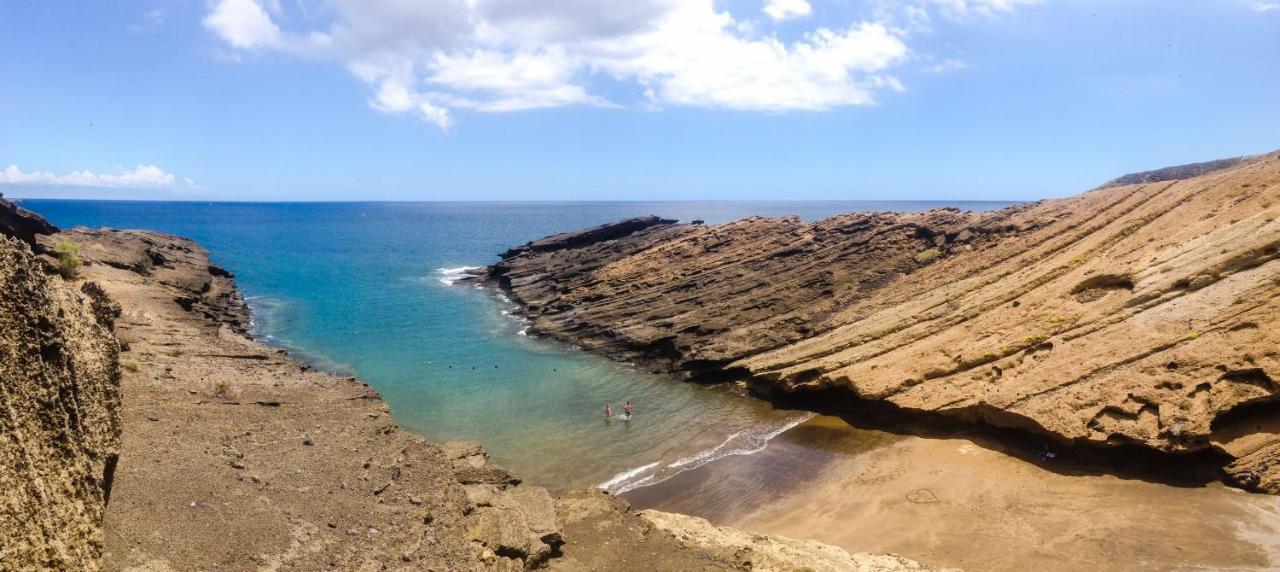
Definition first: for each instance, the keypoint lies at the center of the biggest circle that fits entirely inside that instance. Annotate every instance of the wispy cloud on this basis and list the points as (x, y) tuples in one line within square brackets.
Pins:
[(964, 10), (141, 177), (151, 19), (947, 65), (1264, 6)]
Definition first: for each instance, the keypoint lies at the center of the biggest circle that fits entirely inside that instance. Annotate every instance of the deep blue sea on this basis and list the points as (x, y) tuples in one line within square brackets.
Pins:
[(363, 288)]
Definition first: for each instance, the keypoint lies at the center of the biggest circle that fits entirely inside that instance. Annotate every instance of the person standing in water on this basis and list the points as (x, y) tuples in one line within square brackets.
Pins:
[(626, 409), (608, 410)]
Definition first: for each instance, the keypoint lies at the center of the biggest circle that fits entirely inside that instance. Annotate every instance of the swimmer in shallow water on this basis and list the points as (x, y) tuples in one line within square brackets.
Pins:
[(608, 410)]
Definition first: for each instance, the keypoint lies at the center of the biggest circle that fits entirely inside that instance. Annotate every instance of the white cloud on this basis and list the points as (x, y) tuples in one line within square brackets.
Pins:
[(426, 58), (141, 177), (787, 9), (243, 24), (1264, 6)]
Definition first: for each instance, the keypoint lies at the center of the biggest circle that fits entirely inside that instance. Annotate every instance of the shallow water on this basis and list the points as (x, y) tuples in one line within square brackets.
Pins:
[(364, 289)]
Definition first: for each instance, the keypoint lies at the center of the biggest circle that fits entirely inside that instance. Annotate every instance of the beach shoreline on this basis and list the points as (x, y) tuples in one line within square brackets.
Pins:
[(961, 502)]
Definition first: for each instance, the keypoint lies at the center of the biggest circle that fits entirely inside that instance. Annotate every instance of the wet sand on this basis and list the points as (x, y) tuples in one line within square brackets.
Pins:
[(961, 502)]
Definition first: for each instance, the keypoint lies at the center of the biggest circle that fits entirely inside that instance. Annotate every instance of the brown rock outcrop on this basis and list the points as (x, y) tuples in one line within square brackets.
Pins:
[(692, 299), (772, 553), (22, 224), (174, 262), (59, 418), (1140, 315), (606, 534)]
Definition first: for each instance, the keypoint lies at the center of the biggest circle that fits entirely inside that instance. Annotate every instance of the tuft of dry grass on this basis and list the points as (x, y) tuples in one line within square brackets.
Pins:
[(69, 262), (928, 256)]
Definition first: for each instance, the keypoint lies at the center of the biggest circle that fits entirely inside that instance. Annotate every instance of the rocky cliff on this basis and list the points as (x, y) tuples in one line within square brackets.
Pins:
[(59, 407), (22, 224), (1130, 316)]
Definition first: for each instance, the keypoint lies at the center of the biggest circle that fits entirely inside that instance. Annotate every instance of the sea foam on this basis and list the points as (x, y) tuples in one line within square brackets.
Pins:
[(450, 276), (744, 442)]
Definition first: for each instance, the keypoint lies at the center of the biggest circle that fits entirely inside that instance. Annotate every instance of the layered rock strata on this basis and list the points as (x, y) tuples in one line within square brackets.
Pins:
[(1141, 315)]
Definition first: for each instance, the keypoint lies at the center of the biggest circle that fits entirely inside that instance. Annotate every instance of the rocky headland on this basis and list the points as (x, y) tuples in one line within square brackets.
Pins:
[(147, 432), (1134, 318)]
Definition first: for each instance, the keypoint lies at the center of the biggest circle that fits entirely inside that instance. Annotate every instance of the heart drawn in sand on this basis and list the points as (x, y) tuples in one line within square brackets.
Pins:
[(922, 496)]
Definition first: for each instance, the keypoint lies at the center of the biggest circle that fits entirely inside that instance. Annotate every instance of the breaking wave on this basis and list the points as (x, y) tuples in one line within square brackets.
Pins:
[(744, 442), (450, 276)]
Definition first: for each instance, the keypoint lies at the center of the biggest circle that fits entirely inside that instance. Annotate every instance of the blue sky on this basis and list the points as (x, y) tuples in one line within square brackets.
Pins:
[(634, 100)]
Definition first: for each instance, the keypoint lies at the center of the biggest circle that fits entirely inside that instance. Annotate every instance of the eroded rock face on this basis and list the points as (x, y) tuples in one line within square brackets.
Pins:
[(60, 397), (692, 299), (1136, 315), (512, 526), (173, 261)]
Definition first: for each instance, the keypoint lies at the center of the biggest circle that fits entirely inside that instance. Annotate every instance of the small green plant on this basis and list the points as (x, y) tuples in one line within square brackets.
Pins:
[(928, 256), (68, 259), (1193, 335), (130, 364)]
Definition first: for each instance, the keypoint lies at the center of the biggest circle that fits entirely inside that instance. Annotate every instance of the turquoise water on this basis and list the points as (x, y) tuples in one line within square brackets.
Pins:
[(361, 288)]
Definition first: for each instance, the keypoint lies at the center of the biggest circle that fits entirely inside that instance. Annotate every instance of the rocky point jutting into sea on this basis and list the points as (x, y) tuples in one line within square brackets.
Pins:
[(145, 431), (1139, 317)]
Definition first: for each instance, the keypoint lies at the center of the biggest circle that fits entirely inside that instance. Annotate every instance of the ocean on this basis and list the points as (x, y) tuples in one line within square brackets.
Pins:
[(368, 289)]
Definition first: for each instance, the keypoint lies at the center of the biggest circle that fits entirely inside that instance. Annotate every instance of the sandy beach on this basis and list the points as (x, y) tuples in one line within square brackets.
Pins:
[(960, 502)]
